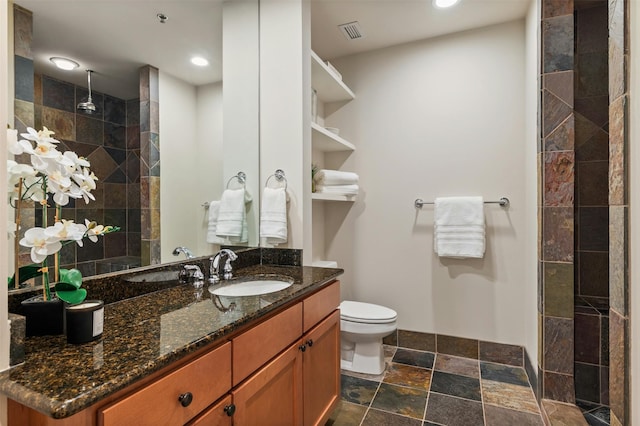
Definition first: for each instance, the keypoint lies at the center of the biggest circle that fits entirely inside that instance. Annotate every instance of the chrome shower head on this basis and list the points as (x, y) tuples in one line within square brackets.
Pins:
[(87, 107)]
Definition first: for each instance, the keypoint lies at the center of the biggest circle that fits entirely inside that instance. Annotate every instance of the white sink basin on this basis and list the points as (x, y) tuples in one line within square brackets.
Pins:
[(250, 288)]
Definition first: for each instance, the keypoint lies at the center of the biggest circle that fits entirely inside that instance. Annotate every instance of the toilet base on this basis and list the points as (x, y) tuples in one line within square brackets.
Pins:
[(363, 357)]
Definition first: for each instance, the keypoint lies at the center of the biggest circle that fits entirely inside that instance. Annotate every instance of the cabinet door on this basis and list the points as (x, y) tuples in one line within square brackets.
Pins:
[(216, 415), (273, 395), (321, 370)]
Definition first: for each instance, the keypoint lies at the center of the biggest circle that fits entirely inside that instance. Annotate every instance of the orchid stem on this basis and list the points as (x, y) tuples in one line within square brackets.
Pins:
[(16, 242)]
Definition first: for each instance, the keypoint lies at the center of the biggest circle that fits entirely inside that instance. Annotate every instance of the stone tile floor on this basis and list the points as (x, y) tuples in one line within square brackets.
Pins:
[(422, 388)]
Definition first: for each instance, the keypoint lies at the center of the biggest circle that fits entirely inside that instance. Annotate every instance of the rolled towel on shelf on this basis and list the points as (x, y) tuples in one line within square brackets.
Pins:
[(336, 177), (338, 189), (232, 217), (459, 227), (273, 216)]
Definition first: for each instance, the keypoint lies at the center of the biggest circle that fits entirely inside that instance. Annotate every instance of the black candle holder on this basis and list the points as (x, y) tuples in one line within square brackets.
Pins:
[(85, 321)]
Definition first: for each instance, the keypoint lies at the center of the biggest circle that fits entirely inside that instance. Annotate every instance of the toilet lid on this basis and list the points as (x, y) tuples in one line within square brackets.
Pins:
[(366, 312)]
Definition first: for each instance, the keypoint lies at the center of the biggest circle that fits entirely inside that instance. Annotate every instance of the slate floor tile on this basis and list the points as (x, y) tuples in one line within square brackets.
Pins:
[(456, 365), (406, 375), (347, 414), (357, 390), (452, 411), (415, 358), (382, 418), (456, 385), (508, 395), (400, 400), (498, 416), (504, 373)]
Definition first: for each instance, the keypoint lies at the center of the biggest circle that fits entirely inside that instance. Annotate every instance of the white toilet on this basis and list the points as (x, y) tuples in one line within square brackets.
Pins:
[(362, 327)]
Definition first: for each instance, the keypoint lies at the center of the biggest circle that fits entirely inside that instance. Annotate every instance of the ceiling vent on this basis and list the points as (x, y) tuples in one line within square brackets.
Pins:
[(351, 30)]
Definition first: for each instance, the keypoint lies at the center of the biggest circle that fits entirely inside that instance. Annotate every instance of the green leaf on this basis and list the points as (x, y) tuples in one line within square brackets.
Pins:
[(72, 277), (26, 273), (72, 297)]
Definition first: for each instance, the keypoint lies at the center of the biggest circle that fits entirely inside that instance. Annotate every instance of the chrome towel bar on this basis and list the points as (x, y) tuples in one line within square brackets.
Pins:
[(504, 202)]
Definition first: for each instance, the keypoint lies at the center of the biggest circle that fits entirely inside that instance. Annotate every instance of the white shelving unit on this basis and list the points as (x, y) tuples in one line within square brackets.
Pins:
[(329, 87), (332, 197), (326, 141)]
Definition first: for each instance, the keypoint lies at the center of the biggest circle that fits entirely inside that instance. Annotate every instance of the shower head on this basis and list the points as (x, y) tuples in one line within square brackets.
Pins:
[(87, 107)]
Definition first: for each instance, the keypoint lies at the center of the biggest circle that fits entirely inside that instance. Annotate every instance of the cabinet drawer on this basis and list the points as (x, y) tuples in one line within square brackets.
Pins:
[(321, 304), (215, 415), (259, 344), (206, 378)]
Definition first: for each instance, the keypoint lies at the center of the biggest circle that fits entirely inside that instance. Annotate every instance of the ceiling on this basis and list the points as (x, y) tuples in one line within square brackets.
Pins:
[(116, 37)]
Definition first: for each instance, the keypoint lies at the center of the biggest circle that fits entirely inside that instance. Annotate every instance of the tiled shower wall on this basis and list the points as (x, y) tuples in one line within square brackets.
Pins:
[(556, 211), (591, 106), (109, 139), (619, 284)]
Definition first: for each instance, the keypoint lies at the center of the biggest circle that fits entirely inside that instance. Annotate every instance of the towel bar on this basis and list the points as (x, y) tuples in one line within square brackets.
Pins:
[(504, 202)]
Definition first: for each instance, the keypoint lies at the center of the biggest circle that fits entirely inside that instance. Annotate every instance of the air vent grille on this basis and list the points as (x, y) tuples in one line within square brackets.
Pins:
[(351, 30)]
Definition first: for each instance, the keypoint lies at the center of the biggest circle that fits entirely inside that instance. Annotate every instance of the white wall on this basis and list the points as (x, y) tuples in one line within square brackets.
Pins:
[(634, 179), (180, 197), (285, 109), (439, 117), (209, 155)]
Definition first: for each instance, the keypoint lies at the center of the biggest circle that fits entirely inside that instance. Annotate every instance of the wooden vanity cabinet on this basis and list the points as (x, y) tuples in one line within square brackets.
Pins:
[(301, 386), (283, 371)]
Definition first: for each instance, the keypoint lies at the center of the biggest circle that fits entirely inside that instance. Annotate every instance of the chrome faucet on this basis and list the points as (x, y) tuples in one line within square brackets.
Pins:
[(192, 271), (214, 266), (184, 250)]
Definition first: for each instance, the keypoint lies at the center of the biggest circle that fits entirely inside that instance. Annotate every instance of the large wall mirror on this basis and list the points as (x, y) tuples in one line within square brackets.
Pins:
[(156, 138)]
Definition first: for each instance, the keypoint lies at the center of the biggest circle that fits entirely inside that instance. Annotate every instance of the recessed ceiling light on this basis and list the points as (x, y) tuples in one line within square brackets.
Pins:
[(64, 63), (444, 3), (199, 61)]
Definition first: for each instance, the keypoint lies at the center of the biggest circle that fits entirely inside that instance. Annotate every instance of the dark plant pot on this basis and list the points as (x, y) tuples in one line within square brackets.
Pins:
[(44, 318), (84, 321)]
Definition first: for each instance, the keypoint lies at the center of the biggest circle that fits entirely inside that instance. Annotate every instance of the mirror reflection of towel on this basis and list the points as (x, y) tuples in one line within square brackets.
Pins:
[(232, 217), (212, 224), (273, 216)]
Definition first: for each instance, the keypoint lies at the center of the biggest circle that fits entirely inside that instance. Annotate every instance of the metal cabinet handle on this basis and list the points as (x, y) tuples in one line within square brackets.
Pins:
[(310, 342), (185, 399), (302, 348), (230, 409)]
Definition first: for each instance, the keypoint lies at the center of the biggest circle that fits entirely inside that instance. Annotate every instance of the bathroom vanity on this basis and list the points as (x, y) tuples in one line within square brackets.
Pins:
[(177, 356)]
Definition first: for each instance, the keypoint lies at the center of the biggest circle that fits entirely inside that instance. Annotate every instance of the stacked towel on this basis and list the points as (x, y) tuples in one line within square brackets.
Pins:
[(232, 217), (212, 224), (337, 182), (273, 216), (459, 227)]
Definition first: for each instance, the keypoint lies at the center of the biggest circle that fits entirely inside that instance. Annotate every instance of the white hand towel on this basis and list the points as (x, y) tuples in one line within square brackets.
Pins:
[(212, 224), (273, 216), (338, 189), (336, 177), (232, 218), (459, 227)]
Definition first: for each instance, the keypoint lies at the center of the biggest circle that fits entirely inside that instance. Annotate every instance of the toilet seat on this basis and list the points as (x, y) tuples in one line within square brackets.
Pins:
[(366, 313)]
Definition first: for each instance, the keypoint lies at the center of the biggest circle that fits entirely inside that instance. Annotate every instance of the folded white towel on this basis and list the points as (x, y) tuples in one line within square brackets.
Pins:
[(273, 216), (212, 224), (338, 189), (232, 217), (336, 177), (459, 227)]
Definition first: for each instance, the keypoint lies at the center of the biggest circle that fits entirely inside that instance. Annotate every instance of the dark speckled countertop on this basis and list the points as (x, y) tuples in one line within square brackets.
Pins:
[(142, 335)]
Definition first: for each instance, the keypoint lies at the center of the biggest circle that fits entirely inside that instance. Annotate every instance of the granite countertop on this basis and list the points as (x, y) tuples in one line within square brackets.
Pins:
[(142, 335)]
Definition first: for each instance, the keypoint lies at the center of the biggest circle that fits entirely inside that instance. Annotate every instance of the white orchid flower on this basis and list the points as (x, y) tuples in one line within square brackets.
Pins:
[(41, 244), (12, 142), (43, 135), (93, 230), (67, 230), (12, 227), (77, 163), (86, 182)]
